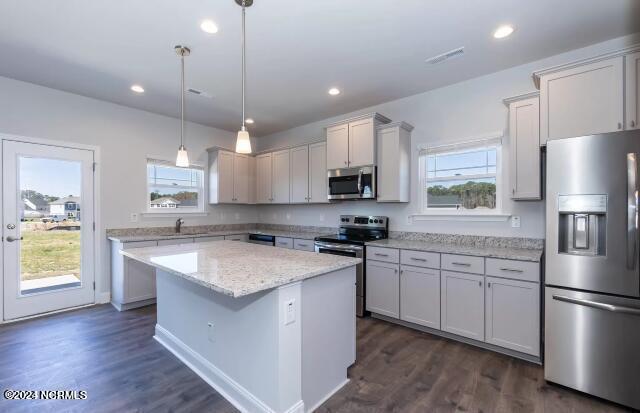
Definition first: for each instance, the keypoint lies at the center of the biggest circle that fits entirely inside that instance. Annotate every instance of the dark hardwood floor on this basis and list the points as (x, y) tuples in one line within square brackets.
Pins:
[(113, 357)]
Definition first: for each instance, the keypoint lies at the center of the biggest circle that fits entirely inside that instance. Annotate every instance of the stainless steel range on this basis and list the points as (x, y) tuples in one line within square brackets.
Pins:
[(355, 230), (592, 293)]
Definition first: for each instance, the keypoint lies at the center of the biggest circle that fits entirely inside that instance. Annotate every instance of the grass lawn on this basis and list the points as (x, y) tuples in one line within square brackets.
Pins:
[(50, 253)]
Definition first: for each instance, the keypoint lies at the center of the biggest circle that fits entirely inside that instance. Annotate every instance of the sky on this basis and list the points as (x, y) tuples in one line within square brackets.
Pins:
[(50, 176)]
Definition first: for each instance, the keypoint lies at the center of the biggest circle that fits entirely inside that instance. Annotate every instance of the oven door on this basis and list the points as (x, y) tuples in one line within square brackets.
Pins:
[(348, 251), (352, 183)]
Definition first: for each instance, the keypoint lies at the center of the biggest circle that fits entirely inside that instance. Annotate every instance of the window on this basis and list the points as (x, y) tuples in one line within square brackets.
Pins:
[(462, 178), (171, 189)]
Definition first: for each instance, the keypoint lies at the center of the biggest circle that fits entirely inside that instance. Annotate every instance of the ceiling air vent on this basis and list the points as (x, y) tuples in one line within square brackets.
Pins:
[(200, 93), (445, 56)]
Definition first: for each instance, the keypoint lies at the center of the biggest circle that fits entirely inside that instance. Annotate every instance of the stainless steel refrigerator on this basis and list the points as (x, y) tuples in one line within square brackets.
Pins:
[(592, 272)]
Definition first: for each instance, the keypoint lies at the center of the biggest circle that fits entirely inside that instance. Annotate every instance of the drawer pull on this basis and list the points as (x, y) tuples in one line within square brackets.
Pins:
[(419, 259), (303, 245), (510, 270), (379, 254), (463, 264)]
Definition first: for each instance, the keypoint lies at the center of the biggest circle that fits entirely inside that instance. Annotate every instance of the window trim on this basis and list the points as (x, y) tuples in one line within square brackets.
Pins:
[(496, 214), (200, 210)]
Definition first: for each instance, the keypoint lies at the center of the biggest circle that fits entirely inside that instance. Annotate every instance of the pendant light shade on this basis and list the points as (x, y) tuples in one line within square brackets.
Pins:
[(182, 160), (243, 142)]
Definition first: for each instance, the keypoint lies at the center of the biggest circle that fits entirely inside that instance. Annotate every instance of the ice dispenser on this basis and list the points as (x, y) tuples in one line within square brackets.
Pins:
[(582, 224)]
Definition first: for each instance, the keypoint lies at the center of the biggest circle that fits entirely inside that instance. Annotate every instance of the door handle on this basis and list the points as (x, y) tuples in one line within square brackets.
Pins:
[(595, 304), (13, 239)]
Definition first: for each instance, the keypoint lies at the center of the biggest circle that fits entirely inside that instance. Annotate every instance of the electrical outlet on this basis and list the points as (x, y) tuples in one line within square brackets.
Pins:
[(515, 221), (134, 217), (237, 216), (289, 312), (321, 217), (288, 216), (210, 335)]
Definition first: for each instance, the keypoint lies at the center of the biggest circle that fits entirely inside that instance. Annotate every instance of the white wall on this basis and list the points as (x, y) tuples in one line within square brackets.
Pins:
[(126, 137), (453, 113)]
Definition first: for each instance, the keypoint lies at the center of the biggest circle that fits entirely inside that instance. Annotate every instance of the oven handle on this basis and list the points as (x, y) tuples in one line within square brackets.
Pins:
[(360, 182), (339, 247)]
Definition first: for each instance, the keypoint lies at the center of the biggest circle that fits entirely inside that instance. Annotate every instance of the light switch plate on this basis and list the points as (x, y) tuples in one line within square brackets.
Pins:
[(515, 221), (210, 335), (321, 217), (289, 312)]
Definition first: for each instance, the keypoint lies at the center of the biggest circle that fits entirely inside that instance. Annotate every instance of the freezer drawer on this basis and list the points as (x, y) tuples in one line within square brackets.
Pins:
[(592, 344)]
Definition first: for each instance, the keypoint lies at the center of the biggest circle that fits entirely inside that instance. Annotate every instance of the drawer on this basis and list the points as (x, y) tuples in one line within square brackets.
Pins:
[(420, 258), (208, 239), (139, 244), (383, 254), (284, 242), (516, 270), (463, 263), (178, 241), (236, 237), (303, 245)]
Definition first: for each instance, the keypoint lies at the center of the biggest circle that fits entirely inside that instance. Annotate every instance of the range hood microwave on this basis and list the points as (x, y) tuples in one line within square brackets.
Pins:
[(352, 183)]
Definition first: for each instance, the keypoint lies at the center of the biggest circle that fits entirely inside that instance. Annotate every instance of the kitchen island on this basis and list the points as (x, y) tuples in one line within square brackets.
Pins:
[(271, 329)]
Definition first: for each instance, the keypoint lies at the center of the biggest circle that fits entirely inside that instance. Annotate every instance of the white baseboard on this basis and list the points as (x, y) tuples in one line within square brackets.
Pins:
[(103, 298), (331, 393), (235, 394)]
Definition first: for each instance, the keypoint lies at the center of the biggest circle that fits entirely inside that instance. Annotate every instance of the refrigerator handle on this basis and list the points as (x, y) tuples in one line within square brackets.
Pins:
[(632, 210), (596, 304)]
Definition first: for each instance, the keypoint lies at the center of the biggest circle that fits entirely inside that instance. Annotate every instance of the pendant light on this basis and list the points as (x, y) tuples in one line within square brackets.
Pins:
[(243, 143), (182, 160)]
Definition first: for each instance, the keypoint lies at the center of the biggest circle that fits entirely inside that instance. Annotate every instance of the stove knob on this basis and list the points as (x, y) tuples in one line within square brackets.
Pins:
[(370, 221), (375, 221)]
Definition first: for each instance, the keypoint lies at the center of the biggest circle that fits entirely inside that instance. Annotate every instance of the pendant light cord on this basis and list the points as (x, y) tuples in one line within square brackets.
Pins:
[(244, 67), (182, 99)]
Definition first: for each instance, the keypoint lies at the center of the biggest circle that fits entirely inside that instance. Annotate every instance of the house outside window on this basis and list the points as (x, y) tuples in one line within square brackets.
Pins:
[(462, 178), (171, 189)]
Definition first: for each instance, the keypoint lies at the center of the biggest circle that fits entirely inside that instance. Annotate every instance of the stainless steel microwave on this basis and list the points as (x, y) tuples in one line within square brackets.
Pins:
[(352, 183)]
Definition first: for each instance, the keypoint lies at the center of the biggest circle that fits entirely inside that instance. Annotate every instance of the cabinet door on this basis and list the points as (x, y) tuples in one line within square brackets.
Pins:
[(237, 237), (383, 288), (300, 174), (140, 279), (225, 177), (513, 315), (632, 90), (263, 179), (463, 304), (388, 164), (318, 173), (303, 245), (361, 143), (420, 296), (338, 146), (241, 178), (281, 177), (585, 100), (252, 179), (524, 149), (284, 242)]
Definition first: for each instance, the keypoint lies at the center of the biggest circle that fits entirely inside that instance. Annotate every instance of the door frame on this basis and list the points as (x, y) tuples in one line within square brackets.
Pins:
[(100, 276)]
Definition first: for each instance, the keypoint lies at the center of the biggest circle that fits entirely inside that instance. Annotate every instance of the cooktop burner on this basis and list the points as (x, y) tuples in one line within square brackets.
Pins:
[(358, 229)]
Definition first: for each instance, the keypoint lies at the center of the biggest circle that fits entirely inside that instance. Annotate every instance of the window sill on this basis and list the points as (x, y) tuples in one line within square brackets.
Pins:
[(459, 216), (164, 214)]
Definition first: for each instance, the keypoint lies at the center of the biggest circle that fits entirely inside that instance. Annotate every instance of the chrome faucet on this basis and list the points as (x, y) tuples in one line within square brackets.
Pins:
[(179, 223)]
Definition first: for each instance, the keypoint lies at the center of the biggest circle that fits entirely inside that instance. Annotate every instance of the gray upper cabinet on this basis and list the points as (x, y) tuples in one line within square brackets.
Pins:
[(318, 173), (463, 304), (264, 190), (524, 147), (352, 143), (281, 174), (300, 174), (338, 146), (394, 162), (229, 177), (632, 90)]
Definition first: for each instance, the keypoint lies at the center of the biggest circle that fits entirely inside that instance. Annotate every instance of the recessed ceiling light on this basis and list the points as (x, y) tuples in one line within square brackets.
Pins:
[(137, 88), (503, 31), (249, 121), (208, 26), (334, 91)]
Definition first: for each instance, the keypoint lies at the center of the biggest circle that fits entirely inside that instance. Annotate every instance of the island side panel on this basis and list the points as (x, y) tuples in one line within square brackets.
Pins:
[(328, 334), (239, 354)]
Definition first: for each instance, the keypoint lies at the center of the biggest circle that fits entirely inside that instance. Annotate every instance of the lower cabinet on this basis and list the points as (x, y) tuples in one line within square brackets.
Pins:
[(420, 296), (237, 237), (303, 245), (463, 304), (284, 242), (513, 314), (383, 288), (133, 284)]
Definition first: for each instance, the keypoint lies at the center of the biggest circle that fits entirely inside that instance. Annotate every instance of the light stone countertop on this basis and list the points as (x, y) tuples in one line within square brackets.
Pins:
[(309, 235), (520, 254), (237, 268)]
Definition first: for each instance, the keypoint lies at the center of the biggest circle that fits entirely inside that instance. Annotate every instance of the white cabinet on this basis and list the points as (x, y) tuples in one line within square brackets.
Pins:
[(303, 244), (632, 90), (280, 179), (463, 304), (228, 177), (583, 99), (420, 296), (513, 315), (133, 284), (284, 242), (394, 162), (179, 241), (383, 288), (237, 237), (352, 143), (317, 173), (338, 146), (208, 239), (264, 192), (300, 175), (524, 147)]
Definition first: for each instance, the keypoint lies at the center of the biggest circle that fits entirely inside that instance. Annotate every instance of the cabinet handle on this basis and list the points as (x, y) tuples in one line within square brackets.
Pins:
[(419, 259), (303, 245), (488, 285), (633, 123), (510, 270), (401, 271), (396, 270), (346, 163), (380, 254), (462, 264), (480, 283), (619, 125)]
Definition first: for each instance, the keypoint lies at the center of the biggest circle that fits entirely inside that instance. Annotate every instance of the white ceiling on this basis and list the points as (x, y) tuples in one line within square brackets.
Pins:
[(374, 50)]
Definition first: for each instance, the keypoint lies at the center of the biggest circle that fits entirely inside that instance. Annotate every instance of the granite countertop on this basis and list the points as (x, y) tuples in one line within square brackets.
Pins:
[(239, 269), (520, 254), (156, 237)]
